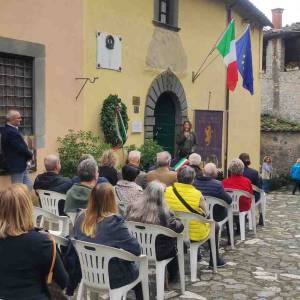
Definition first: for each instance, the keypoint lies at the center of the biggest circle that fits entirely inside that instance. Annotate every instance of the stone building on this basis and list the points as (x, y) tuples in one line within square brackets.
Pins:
[(45, 46), (281, 63)]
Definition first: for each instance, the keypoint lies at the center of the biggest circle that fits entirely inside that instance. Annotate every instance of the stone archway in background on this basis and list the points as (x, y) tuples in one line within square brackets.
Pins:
[(166, 82)]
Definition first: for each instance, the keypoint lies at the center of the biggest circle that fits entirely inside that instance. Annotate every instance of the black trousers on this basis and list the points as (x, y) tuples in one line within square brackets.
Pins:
[(297, 185)]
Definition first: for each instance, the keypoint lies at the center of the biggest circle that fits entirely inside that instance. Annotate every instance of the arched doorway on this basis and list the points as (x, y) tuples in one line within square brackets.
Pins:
[(164, 128), (166, 108)]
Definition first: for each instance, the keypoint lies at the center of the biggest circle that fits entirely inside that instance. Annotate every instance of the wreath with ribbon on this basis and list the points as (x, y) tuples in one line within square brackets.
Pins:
[(114, 121)]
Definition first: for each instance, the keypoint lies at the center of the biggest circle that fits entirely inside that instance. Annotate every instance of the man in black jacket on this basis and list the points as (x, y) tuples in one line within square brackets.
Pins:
[(15, 150), (209, 186), (51, 180)]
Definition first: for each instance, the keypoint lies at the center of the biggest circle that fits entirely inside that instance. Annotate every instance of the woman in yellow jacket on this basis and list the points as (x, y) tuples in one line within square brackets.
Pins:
[(184, 187)]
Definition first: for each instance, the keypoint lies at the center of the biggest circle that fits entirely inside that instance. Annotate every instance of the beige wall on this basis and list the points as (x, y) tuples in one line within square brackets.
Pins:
[(59, 26), (201, 24)]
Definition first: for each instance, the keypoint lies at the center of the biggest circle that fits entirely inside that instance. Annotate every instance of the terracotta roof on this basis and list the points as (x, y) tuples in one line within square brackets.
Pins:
[(249, 11)]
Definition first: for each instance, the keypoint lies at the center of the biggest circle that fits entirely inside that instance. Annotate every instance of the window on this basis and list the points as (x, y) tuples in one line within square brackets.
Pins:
[(292, 54), (16, 91), (166, 14)]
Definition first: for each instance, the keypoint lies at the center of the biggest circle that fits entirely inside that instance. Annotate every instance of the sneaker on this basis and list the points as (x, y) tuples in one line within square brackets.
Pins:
[(220, 263)]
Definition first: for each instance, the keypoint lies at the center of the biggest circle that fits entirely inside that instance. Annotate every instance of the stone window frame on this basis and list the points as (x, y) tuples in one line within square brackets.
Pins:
[(172, 18), (37, 53)]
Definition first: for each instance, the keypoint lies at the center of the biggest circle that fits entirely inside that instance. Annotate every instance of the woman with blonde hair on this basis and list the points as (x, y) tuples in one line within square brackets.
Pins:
[(266, 173), (107, 169), (26, 255), (100, 224)]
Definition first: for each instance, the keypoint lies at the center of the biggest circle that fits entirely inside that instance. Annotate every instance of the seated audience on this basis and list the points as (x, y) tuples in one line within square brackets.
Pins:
[(100, 224), (152, 209), (107, 169), (127, 190), (134, 160), (25, 254), (240, 182), (183, 192), (194, 162), (163, 173), (251, 174), (51, 180), (209, 186), (76, 178), (77, 196)]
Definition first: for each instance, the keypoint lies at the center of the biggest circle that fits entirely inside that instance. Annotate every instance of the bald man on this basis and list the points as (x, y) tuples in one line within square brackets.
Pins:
[(15, 151), (209, 186), (51, 180)]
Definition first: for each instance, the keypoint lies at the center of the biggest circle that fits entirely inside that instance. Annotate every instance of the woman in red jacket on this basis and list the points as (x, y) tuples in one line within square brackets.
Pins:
[(238, 181)]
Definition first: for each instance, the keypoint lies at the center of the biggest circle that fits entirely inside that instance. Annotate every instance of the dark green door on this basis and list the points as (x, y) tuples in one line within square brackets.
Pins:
[(164, 129)]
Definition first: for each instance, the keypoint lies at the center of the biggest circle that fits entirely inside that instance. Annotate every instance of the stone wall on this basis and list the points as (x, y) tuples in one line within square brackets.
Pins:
[(284, 147), (280, 89), (289, 95)]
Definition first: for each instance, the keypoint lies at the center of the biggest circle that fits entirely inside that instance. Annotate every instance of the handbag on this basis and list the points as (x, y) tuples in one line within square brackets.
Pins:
[(187, 206), (54, 290)]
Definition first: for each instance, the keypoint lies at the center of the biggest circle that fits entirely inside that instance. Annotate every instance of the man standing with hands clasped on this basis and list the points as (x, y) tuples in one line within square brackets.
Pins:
[(15, 150)]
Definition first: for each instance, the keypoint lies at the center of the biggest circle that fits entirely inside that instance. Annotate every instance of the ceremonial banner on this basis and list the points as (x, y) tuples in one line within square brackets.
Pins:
[(209, 129)]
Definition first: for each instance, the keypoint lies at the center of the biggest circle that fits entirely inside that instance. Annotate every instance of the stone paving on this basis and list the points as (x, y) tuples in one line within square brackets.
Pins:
[(265, 266)]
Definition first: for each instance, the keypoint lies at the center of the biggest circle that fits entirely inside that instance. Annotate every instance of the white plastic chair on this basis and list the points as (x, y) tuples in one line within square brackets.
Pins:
[(146, 234), (186, 217), (72, 216), (94, 260), (211, 202), (261, 204), (61, 222), (49, 200), (235, 195)]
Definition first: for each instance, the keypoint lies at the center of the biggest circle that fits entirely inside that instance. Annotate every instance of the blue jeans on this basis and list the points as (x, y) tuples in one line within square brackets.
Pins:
[(266, 185), (22, 177)]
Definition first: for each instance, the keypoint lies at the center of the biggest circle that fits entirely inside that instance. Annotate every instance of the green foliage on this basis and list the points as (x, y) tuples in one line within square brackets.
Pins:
[(107, 120), (270, 123), (73, 145), (148, 152)]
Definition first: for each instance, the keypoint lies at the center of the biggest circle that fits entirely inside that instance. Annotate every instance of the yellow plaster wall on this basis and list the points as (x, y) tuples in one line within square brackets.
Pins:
[(201, 24), (59, 26)]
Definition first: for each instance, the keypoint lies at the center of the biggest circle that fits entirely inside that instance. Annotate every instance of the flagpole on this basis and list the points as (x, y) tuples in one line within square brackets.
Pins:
[(196, 75), (227, 113)]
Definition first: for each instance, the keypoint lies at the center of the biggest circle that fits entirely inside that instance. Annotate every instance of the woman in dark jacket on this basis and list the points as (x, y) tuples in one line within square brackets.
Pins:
[(153, 209), (100, 224), (186, 140), (25, 254), (107, 169)]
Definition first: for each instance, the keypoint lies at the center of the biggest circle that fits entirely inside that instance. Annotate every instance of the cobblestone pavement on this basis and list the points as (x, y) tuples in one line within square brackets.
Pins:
[(263, 267)]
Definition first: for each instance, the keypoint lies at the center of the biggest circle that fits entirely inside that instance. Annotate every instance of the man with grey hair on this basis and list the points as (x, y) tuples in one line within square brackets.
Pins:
[(163, 173), (209, 186), (51, 180), (134, 160), (15, 150), (77, 196)]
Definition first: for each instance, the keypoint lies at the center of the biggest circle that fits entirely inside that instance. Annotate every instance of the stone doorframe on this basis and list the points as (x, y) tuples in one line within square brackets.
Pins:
[(165, 82)]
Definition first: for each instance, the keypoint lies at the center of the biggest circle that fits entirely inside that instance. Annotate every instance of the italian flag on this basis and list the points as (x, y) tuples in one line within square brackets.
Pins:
[(226, 47)]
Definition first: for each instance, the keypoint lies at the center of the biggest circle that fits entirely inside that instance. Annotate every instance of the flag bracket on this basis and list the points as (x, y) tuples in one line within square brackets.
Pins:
[(86, 80)]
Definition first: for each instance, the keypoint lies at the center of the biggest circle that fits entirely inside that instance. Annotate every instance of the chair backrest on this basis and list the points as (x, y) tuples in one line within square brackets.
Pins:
[(49, 200), (186, 217), (60, 241), (235, 195), (94, 260), (212, 201), (146, 235), (61, 222)]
